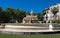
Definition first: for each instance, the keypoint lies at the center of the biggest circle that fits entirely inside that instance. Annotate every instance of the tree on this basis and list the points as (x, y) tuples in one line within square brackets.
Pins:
[(6, 16), (54, 10), (21, 15), (1, 15), (28, 13), (38, 15), (10, 13), (55, 21)]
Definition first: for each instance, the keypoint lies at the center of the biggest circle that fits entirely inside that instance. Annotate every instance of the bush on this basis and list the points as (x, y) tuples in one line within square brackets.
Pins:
[(55, 21)]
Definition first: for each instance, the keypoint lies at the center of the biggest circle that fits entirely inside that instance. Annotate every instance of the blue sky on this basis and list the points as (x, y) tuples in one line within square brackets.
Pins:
[(27, 5)]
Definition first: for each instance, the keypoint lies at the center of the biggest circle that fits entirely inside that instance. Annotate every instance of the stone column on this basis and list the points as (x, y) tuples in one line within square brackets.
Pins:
[(50, 27), (23, 21)]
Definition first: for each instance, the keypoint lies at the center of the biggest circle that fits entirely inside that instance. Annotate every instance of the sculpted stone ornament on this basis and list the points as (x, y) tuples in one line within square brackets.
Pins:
[(32, 12), (49, 19), (50, 27), (49, 15)]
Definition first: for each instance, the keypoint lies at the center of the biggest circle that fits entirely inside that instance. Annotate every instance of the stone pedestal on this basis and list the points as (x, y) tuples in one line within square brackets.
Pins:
[(50, 27)]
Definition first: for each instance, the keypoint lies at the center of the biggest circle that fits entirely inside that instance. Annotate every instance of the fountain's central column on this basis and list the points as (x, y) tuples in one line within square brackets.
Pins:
[(50, 27)]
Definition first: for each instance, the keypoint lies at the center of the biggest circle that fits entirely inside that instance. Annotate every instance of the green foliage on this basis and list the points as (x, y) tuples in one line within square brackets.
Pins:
[(28, 13), (29, 36), (9, 13), (54, 10), (55, 21), (39, 16)]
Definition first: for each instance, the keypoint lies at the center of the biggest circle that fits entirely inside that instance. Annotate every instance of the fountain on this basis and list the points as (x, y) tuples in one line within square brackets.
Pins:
[(29, 19)]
